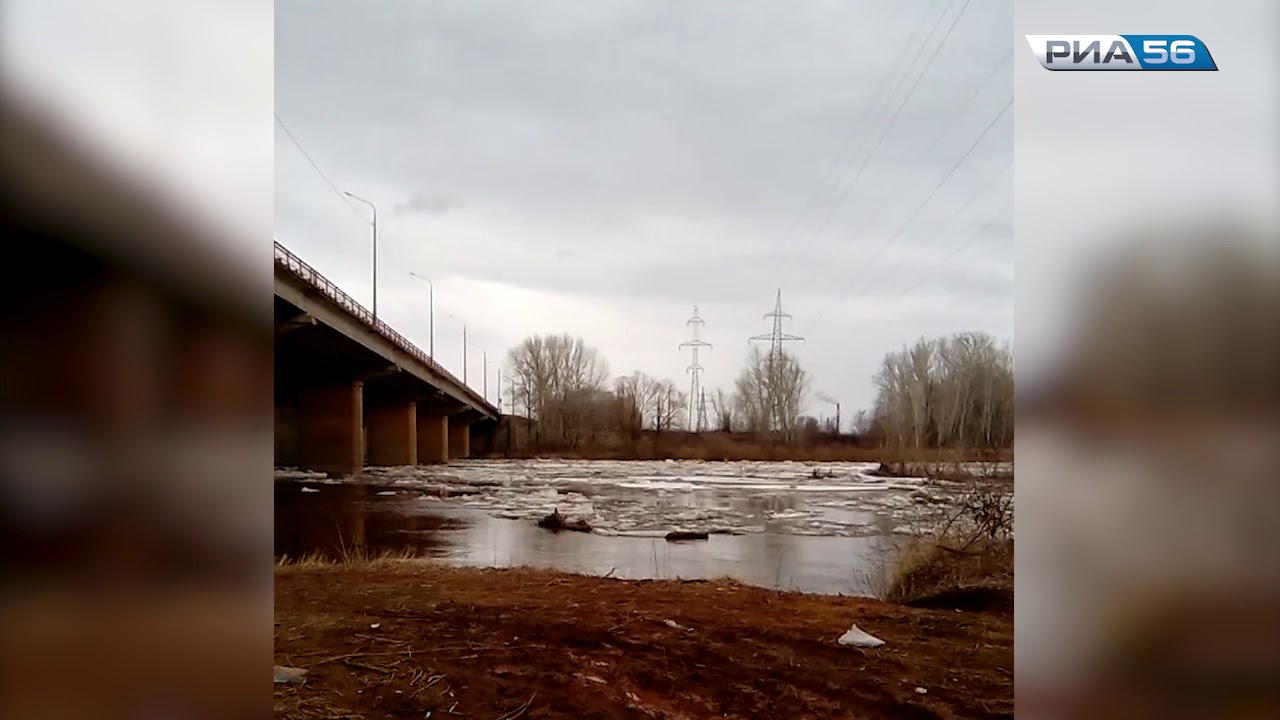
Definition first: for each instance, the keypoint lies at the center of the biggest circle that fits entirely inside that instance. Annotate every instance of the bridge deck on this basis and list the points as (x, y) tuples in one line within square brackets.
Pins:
[(309, 277)]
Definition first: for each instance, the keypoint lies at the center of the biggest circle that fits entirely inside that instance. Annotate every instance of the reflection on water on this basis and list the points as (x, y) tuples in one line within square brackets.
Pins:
[(797, 562), (350, 519), (345, 518)]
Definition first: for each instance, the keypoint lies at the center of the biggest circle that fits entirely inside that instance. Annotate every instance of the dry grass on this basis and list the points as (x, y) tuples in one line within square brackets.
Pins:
[(348, 558), (968, 560), (938, 574)]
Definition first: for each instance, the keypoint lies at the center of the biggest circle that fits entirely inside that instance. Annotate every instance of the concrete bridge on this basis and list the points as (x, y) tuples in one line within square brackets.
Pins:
[(351, 391)]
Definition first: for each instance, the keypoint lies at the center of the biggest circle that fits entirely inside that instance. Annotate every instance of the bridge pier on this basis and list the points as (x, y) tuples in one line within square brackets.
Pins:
[(330, 428), (433, 438), (459, 437), (393, 433), (403, 408)]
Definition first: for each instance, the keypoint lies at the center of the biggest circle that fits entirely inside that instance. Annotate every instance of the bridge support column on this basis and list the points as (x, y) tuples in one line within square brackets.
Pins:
[(393, 434), (329, 428), (433, 438), (459, 437)]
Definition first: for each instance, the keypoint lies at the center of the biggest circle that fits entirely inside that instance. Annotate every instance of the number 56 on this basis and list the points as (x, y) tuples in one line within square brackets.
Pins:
[(1179, 52)]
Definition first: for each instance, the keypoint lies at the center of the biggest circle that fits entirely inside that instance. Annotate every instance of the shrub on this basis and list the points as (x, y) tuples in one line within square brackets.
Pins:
[(968, 560)]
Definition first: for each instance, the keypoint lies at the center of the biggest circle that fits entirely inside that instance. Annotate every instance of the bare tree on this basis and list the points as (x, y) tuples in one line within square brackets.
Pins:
[(769, 393), (862, 423), (670, 404), (722, 407), (560, 378), (751, 395), (635, 399), (950, 392)]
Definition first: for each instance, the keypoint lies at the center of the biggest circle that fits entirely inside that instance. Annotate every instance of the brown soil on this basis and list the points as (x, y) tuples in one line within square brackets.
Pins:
[(532, 644)]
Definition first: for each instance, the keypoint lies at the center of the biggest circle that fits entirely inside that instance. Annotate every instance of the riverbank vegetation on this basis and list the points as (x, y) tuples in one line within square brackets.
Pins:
[(722, 446), (940, 400), (963, 556)]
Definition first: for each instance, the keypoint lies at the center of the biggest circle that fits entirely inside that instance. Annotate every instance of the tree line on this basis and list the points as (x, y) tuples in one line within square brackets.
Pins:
[(565, 385), (945, 392), (951, 392)]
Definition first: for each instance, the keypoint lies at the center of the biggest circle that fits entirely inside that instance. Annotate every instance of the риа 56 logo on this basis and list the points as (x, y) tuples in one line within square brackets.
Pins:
[(1121, 52)]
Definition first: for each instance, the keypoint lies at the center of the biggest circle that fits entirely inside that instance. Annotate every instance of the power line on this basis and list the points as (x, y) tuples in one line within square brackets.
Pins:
[(843, 188), (926, 276), (307, 155), (917, 209), (385, 246), (839, 158), (942, 225), (947, 126), (946, 130), (955, 166), (332, 186), (848, 187), (961, 248)]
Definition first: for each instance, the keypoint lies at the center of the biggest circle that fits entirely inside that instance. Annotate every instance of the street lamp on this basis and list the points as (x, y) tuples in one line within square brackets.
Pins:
[(375, 251), (431, 313), (464, 346)]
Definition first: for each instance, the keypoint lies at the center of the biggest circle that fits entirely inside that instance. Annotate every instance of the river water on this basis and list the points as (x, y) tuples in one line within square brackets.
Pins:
[(813, 527)]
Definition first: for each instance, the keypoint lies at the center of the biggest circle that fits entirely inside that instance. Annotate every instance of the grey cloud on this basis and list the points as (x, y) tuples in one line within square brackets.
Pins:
[(430, 205), (652, 155)]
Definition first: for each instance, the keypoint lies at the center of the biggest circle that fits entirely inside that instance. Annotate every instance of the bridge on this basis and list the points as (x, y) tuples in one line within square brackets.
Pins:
[(350, 391)]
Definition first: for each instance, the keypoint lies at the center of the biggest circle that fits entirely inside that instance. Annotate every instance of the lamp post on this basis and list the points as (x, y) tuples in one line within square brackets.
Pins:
[(375, 251), (464, 347), (431, 314)]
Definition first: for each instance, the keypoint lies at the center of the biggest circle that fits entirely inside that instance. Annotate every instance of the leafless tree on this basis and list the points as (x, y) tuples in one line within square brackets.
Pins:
[(949, 392), (561, 380), (863, 423), (635, 401), (769, 393), (670, 405), (722, 407)]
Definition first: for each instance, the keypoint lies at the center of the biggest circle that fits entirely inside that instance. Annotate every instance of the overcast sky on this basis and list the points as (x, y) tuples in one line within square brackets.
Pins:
[(600, 168)]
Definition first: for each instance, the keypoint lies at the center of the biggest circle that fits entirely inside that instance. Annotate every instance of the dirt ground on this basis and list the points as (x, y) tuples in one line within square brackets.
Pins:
[(412, 640)]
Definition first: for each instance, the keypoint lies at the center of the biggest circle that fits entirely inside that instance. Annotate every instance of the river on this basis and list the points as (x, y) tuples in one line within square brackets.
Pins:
[(827, 528)]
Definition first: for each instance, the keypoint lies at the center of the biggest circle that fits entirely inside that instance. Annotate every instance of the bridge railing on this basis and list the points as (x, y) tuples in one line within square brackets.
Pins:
[(299, 268)]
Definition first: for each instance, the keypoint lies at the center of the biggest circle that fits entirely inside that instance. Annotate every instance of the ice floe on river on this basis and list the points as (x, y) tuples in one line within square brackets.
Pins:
[(651, 498)]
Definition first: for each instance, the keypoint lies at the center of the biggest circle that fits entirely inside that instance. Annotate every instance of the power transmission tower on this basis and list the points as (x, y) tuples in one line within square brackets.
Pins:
[(776, 337), (697, 410)]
